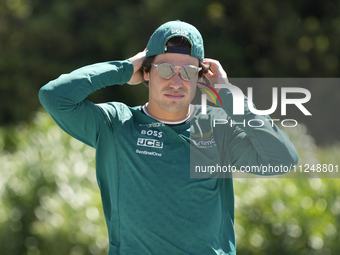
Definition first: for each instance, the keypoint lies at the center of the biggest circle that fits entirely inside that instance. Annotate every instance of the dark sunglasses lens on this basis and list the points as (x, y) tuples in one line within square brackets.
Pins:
[(166, 71), (188, 72)]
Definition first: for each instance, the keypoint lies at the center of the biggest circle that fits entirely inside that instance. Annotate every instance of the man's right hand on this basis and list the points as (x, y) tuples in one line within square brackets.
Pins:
[(137, 60)]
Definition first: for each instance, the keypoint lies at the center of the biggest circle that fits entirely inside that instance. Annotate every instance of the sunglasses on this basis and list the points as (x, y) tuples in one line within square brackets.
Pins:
[(187, 72)]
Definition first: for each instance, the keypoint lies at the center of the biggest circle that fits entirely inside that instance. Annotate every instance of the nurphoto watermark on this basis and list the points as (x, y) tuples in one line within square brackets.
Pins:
[(253, 121)]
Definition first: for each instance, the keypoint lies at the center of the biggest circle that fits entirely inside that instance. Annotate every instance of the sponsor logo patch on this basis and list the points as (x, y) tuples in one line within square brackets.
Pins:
[(152, 133), (179, 31), (152, 143)]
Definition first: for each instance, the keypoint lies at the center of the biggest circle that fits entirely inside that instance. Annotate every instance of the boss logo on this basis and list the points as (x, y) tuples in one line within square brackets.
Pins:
[(179, 31), (150, 143), (152, 133)]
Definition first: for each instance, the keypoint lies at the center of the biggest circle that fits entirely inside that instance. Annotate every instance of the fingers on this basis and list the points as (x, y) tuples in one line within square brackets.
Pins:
[(209, 74), (138, 59), (216, 69), (213, 64)]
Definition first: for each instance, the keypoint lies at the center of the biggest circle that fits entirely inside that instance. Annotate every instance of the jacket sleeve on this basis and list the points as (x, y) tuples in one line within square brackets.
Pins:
[(259, 143), (65, 98)]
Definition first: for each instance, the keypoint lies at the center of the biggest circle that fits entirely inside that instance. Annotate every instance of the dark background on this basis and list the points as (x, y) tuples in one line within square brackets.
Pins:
[(39, 40)]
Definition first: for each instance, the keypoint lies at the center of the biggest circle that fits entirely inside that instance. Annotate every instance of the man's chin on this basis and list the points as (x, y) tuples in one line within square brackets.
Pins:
[(175, 107)]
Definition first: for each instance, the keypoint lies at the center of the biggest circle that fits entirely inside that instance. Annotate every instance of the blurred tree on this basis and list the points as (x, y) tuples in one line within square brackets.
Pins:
[(39, 40), (296, 216), (49, 198)]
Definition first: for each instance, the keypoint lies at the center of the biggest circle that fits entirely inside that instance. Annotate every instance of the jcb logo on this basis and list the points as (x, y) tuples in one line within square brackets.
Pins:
[(149, 143)]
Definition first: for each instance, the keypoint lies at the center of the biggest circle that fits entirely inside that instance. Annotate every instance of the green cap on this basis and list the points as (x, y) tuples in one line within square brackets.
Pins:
[(159, 38)]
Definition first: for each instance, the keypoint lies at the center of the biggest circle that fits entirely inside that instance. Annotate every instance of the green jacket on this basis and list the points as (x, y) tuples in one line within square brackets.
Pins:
[(152, 205)]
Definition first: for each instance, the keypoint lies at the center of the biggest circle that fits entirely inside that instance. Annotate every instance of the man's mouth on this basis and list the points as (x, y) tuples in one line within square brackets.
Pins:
[(174, 95)]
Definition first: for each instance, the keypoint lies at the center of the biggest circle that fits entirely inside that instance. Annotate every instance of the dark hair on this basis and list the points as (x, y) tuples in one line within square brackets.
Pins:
[(176, 42)]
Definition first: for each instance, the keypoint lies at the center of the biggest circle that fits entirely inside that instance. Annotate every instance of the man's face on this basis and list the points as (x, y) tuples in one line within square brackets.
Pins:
[(168, 97)]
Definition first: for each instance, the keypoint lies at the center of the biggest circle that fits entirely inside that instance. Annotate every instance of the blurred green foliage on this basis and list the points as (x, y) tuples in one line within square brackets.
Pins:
[(50, 202), (41, 39), (49, 199)]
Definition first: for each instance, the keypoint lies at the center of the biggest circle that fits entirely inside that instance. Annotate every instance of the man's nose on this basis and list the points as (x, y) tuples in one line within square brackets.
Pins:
[(176, 81)]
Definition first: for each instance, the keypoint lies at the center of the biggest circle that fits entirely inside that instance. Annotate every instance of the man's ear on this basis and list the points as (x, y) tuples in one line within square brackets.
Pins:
[(146, 75)]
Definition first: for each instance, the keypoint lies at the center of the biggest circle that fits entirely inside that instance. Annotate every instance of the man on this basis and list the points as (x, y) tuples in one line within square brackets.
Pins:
[(144, 153)]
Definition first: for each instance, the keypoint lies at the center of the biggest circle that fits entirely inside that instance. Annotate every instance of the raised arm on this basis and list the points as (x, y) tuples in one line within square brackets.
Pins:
[(261, 144), (65, 97)]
